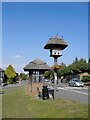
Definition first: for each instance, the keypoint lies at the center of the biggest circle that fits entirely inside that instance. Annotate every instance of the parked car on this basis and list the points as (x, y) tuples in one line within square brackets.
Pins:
[(76, 82), (46, 80), (54, 80)]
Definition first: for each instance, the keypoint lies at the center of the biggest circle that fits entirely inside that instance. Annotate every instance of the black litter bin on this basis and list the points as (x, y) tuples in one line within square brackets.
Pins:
[(45, 93)]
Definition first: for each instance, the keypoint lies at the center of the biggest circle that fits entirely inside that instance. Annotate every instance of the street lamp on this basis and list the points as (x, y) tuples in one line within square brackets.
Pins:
[(56, 45)]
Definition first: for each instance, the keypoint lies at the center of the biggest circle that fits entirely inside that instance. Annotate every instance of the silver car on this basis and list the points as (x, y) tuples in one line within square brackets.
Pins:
[(46, 80), (76, 82)]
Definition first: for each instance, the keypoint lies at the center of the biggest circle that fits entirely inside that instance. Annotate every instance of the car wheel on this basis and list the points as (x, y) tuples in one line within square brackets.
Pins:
[(74, 85)]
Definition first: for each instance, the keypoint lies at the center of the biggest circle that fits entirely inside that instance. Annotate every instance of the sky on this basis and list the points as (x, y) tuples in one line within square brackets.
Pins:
[(27, 27), (0, 34)]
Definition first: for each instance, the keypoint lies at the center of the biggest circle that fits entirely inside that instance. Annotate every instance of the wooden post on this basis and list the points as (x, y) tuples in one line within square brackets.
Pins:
[(29, 87), (55, 79), (30, 82)]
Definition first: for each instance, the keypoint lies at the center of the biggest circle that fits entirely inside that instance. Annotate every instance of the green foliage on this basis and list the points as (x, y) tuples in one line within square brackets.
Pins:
[(89, 65), (49, 74), (23, 76), (76, 67), (76, 60), (86, 79), (65, 71), (80, 66), (10, 81), (10, 73)]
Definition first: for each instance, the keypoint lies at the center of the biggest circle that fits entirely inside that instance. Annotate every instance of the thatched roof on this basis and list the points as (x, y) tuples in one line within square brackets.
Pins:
[(37, 64), (1, 70), (56, 42)]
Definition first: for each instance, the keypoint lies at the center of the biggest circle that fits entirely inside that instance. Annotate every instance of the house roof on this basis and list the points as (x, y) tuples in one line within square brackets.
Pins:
[(1, 70), (37, 64), (56, 42)]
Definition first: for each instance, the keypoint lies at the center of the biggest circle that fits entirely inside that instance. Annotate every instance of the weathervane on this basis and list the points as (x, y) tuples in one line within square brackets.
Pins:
[(56, 36)]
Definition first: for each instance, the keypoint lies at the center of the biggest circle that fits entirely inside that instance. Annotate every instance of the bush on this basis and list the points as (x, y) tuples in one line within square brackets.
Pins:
[(23, 76), (86, 79), (10, 81)]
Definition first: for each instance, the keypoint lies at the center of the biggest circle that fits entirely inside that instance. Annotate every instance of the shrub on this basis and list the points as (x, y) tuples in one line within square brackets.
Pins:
[(86, 79), (23, 76), (10, 81)]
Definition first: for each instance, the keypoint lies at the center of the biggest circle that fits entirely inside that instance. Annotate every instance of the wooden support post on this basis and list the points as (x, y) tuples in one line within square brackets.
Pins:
[(55, 79), (29, 87), (30, 82)]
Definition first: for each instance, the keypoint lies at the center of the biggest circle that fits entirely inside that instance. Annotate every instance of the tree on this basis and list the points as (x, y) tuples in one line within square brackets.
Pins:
[(23, 76), (76, 60), (89, 65), (10, 73), (80, 66), (77, 66), (49, 74), (65, 71)]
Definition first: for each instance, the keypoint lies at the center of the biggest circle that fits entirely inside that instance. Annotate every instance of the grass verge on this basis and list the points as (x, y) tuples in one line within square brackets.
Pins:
[(17, 104)]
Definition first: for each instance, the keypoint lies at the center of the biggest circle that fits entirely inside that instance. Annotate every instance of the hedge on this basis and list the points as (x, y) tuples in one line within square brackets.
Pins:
[(86, 79)]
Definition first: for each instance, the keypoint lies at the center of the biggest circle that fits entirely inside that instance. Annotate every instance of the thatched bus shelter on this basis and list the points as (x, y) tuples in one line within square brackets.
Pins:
[(36, 68), (1, 73)]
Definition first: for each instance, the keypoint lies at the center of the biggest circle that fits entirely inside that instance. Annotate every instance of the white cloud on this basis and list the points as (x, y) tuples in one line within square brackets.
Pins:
[(16, 56)]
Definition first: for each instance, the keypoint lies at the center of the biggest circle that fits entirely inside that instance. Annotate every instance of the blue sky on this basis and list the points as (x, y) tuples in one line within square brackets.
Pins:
[(28, 26), (0, 34)]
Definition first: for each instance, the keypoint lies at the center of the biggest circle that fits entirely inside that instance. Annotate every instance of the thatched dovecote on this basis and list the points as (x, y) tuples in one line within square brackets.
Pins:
[(56, 42)]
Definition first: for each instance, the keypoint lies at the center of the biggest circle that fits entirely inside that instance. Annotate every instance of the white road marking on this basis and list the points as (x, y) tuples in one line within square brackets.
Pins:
[(65, 88), (79, 88)]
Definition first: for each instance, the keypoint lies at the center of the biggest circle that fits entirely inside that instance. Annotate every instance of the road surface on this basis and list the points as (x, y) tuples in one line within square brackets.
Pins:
[(79, 94)]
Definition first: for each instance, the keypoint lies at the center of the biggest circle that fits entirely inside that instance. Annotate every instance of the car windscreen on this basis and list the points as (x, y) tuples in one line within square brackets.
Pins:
[(77, 80)]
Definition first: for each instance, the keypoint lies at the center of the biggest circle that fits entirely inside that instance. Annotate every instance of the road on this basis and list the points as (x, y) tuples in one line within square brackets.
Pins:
[(79, 94), (76, 94)]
